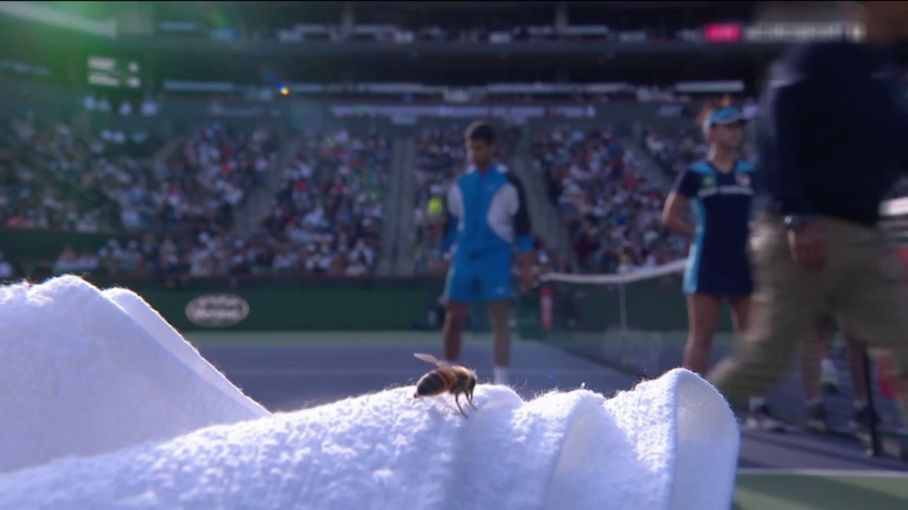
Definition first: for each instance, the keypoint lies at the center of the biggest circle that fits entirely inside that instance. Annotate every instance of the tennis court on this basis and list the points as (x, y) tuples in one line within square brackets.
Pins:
[(291, 370)]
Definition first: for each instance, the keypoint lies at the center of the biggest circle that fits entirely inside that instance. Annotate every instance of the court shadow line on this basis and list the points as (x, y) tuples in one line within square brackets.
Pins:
[(859, 457)]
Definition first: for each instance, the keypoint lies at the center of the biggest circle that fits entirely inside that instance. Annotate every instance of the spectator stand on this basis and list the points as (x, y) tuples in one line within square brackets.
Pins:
[(610, 210)]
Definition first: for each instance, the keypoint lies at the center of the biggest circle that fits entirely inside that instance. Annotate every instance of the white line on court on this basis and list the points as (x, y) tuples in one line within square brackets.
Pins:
[(824, 472)]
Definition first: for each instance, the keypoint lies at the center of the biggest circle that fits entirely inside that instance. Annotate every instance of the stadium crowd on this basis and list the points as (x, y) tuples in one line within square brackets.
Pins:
[(174, 216), (610, 210), (208, 177), (57, 179), (327, 215), (674, 150), (324, 218)]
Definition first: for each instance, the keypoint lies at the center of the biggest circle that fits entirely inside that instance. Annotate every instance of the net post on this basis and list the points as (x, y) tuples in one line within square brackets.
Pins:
[(876, 447)]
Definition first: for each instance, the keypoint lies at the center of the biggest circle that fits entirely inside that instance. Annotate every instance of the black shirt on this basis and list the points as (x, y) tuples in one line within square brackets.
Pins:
[(833, 132)]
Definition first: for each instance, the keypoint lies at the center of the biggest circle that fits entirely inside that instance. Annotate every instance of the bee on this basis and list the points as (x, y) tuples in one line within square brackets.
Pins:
[(456, 380)]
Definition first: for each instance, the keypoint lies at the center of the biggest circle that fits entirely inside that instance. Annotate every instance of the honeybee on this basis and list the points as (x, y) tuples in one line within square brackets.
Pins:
[(455, 380)]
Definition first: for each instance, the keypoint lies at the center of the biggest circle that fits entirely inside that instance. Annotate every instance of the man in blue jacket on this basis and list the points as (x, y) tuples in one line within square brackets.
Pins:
[(487, 222)]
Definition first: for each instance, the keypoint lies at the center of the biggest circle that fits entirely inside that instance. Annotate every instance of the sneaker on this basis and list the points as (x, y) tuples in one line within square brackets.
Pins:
[(760, 418), (816, 418)]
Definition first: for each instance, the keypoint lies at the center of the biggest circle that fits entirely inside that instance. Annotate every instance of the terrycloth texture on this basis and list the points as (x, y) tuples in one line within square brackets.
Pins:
[(669, 443), (170, 339), (83, 372)]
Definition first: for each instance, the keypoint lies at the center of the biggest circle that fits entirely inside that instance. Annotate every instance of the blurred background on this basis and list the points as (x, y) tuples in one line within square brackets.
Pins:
[(270, 177)]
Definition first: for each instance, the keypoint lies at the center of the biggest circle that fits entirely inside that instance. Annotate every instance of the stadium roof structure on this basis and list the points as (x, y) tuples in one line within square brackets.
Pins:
[(462, 44)]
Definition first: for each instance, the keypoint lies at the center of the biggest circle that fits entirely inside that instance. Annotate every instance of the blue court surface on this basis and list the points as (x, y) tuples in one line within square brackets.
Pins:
[(287, 371)]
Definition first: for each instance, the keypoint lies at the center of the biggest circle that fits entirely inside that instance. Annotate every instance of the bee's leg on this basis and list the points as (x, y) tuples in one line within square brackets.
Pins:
[(457, 401), (470, 401)]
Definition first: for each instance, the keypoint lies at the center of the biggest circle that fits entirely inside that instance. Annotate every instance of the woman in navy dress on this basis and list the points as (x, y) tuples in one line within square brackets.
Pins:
[(719, 191)]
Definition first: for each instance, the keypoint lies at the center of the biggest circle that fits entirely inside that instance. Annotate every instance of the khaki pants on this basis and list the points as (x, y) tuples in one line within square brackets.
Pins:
[(861, 283)]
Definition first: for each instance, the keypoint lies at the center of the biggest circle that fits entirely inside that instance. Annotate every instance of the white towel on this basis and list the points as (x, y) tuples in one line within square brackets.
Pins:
[(170, 339), (82, 373), (113, 409), (669, 443)]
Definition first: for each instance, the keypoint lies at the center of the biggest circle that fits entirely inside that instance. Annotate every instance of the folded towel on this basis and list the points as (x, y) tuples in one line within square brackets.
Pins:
[(669, 443), (84, 372)]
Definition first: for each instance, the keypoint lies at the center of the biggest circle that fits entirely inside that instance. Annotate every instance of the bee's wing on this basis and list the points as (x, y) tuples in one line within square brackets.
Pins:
[(428, 358)]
